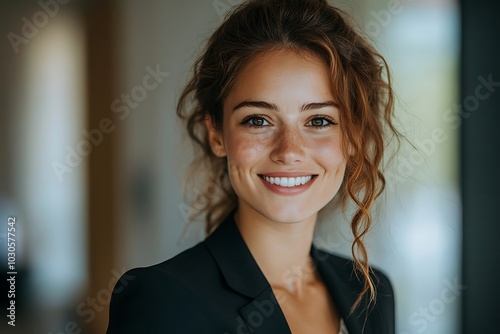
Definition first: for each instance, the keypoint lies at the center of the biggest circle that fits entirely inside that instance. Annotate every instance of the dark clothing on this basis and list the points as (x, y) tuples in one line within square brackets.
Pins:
[(217, 287)]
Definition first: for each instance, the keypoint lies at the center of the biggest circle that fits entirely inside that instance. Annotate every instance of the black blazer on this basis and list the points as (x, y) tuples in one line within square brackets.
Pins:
[(217, 287)]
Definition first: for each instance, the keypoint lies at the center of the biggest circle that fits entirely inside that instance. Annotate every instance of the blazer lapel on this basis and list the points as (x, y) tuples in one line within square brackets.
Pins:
[(263, 314), (341, 292)]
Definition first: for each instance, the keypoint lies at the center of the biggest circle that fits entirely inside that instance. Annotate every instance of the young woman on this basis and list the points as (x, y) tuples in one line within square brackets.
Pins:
[(290, 107)]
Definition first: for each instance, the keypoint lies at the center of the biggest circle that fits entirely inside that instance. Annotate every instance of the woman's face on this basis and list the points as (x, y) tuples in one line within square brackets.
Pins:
[(281, 137)]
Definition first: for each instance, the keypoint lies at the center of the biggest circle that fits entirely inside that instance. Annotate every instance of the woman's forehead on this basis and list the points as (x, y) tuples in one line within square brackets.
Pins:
[(285, 74)]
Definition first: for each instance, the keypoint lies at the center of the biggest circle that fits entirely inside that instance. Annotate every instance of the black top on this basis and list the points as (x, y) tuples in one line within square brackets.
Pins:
[(217, 287)]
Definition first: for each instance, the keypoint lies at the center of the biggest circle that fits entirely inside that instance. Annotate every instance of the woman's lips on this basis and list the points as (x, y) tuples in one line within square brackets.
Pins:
[(287, 185), (284, 181)]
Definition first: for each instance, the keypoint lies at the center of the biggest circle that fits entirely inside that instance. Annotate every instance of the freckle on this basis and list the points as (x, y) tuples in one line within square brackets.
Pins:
[(288, 140), (247, 145), (249, 149)]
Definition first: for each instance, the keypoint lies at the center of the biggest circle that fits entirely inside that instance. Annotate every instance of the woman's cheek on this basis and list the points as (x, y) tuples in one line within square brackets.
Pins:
[(328, 151), (243, 156), (244, 151)]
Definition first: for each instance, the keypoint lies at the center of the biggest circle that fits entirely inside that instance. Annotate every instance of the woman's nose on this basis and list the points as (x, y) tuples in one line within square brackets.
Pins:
[(288, 147)]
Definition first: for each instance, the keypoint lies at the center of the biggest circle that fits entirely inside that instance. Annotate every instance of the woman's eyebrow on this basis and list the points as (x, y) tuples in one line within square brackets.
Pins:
[(256, 104), (319, 105), (273, 107)]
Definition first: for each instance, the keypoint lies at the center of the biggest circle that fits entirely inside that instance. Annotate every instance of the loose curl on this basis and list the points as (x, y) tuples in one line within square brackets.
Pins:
[(360, 81)]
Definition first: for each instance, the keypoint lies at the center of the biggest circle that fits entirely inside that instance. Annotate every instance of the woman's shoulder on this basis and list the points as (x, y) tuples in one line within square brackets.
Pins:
[(183, 269), (167, 290), (186, 264)]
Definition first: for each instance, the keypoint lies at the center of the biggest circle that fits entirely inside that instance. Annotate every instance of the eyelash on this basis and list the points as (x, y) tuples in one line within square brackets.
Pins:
[(246, 121), (325, 118)]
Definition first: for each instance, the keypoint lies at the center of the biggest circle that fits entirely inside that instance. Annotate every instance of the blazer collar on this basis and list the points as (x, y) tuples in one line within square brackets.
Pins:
[(243, 275), (234, 259), (263, 314), (339, 282)]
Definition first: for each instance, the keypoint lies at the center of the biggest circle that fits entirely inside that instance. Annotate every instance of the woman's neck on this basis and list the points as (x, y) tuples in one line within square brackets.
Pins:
[(282, 250)]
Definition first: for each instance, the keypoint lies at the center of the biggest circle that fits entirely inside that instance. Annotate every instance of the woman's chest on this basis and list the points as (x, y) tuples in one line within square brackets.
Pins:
[(311, 312)]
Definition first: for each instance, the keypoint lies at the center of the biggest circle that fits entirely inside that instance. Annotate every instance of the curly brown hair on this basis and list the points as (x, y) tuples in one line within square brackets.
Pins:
[(360, 80)]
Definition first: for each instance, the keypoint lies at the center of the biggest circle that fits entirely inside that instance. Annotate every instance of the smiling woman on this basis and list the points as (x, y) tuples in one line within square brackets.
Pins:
[(280, 120), (295, 107)]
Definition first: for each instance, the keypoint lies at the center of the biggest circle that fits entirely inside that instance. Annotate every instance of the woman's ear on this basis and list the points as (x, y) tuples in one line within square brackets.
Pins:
[(215, 138)]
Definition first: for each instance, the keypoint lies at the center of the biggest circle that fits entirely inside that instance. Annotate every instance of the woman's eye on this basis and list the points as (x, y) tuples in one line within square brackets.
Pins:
[(255, 121), (320, 122)]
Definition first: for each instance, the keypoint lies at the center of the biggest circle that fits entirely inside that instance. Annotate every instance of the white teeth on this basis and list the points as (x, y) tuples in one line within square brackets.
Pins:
[(284, 182), (288, 181)]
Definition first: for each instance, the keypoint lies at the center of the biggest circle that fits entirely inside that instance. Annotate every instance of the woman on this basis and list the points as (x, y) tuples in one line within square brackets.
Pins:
[(289, 106)]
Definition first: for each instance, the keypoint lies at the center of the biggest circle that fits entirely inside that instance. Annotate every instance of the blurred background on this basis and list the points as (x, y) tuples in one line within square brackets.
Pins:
[(93, 157)]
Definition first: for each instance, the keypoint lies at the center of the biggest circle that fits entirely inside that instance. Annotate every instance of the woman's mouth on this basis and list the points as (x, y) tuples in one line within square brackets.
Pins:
[(288, 182)]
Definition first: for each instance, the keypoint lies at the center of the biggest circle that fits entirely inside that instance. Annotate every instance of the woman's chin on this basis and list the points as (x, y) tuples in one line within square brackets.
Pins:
[(289, 215)]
